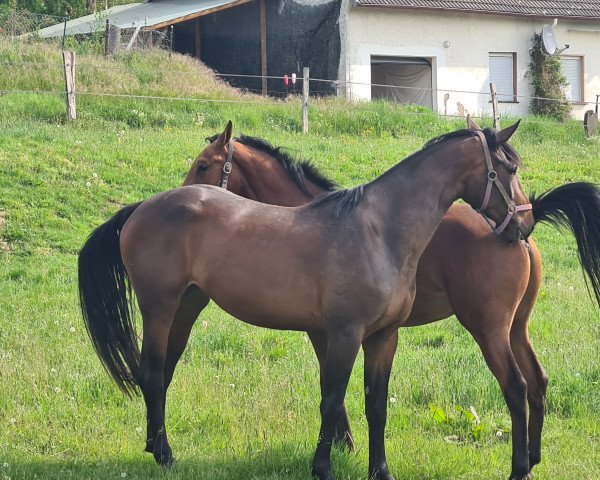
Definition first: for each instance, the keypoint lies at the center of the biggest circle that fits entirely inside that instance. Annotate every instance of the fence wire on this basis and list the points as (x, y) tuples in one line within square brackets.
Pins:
[(16, 24)]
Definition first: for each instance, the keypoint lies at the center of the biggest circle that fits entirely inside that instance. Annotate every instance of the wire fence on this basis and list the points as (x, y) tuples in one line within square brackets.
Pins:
[(15, 24), (141, 83)]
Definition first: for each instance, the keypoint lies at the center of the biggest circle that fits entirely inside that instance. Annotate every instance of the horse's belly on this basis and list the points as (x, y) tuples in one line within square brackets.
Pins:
[(277, 313), (266, 296)]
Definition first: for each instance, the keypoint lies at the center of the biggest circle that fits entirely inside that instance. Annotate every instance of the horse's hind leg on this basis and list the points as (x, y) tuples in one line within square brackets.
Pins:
[(343, 435), (192, 303), (537, 380), (537, 383), (495, 345), (157, 312)]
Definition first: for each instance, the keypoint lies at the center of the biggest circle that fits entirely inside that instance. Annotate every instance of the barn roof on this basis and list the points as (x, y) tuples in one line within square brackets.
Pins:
[(580, 9), (155, 14)]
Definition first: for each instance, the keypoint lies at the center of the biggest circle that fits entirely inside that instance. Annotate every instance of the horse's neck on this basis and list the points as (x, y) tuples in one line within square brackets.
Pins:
[(265, 180), (412, 198)]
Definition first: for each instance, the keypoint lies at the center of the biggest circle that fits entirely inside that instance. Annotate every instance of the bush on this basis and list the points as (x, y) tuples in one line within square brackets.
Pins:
[(548, 81)]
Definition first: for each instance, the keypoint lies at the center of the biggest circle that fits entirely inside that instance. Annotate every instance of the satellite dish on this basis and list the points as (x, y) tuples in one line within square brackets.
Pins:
[(549, 39)]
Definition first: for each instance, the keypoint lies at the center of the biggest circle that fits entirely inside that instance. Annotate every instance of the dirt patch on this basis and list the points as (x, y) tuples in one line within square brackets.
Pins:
[(4, 245)]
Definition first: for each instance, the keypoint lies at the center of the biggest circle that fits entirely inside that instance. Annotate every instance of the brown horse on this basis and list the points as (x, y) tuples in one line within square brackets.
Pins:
[(459, 283), (341, 268)]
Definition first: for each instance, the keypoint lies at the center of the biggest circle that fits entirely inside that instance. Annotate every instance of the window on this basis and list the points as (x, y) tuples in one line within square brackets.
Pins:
[(573, 71), (502, 73)]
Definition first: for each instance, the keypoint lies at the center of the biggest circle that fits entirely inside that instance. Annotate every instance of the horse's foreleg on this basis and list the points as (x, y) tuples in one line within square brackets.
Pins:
[(499, 357), (343, 434), (379, 354), (192, 303), (342, 347), (537, 383), (157, 318)]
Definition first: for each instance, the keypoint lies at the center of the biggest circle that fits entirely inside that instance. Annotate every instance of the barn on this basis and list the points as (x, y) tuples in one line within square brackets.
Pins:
[(441, 54), (237, 37)]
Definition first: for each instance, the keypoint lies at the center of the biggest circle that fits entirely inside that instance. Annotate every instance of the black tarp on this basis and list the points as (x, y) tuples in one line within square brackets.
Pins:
[(299, 34)]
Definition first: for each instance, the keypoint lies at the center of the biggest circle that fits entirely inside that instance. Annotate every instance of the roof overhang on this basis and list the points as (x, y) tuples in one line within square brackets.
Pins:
[(391, 5), (153, 14)]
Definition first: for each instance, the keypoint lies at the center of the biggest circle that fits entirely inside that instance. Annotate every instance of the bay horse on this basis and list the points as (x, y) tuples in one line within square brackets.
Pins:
[(304, 191), (267, 174)]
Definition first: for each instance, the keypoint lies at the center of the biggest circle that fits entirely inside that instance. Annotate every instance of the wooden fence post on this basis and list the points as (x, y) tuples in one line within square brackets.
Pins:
[(69, 64), (495, 111), (305, 76)]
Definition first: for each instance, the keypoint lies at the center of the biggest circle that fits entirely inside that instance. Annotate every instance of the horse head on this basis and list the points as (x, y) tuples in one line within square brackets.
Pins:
[(502, 201)]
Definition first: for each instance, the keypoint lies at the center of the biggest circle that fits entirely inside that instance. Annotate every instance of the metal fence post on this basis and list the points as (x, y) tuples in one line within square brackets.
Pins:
[(305, 90)]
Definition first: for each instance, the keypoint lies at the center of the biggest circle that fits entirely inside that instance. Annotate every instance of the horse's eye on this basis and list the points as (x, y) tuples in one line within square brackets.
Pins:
[(203, 167)]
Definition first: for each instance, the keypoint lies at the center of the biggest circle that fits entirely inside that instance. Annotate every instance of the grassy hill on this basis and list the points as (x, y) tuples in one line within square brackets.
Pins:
[(244, 403)]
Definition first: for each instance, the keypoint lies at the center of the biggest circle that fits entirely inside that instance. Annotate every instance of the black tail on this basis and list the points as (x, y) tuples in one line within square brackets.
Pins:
[(105, 299), (577, 207)]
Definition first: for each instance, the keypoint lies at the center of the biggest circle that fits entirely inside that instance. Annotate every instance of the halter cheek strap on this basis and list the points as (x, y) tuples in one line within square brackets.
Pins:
[(228, 165), (492, 179)]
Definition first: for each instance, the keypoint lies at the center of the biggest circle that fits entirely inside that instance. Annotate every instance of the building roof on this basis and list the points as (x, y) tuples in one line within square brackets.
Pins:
[(155, 14), (581, 9)]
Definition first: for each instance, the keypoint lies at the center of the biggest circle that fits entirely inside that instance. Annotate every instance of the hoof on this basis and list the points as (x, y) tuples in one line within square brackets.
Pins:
[(163, 454), (381, 474), (165, 461), (528, 476), (322, 474)]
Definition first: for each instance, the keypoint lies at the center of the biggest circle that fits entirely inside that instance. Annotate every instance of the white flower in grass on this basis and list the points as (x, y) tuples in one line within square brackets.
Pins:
[(88, 184), (499, 433), (393, 399), (5, 465), (12, 421), (139, 429), (57, 390), (232, 385), (123, 474), (53, 371), (72, 329), (204, 323), (95, 175)]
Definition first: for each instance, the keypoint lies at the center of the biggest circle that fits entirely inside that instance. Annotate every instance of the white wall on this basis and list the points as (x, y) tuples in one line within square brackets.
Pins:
[(464, 65)]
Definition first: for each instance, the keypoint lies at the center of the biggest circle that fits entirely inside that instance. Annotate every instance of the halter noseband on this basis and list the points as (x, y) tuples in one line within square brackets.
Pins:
[(492, 179), (228, 165)]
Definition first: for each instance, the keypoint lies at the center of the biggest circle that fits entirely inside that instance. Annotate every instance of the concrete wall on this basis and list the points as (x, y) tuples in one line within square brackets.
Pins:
[(463, 64)]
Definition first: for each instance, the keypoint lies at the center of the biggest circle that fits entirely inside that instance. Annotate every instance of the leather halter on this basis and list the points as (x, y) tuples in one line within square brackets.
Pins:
[(228, 165), (492, 179)]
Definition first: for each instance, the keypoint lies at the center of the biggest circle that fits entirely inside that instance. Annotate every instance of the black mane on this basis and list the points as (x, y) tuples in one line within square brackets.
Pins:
[(505, 152), (345, 200), (299, 171)]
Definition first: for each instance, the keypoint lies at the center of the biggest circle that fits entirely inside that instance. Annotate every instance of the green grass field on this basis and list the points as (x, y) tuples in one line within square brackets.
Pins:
[(244, 402)]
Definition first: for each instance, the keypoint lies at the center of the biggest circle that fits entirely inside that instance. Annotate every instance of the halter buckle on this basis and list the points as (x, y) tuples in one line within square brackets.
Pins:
[(492, 175), (227, 167)]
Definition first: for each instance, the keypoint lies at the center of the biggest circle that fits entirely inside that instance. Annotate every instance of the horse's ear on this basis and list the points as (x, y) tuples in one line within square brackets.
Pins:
[(226, 135), (504, 135), (471, 125)]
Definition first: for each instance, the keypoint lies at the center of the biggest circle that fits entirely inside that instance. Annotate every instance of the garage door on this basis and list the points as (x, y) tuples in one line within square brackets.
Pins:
[(406, 80)]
